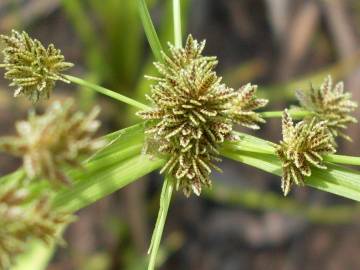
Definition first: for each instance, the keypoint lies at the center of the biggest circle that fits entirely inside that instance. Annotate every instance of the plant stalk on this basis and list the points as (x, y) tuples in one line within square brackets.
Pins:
[(296, 114), (177, 23), (165, 199), (107, 92)]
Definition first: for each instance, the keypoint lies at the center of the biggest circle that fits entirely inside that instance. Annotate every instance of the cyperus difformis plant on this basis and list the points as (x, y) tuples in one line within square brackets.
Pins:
[(330, 104), (23, 218), (32, 68), (194, 112), (302, 146), (58, 137)]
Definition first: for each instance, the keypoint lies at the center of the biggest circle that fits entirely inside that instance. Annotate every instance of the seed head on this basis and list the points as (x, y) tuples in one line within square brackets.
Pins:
[(330, 104), (58, 137), (32, 68), (193, 113), (23, 219), (302, 146)]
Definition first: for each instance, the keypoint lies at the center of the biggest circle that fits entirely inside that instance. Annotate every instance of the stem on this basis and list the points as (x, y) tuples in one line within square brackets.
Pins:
[(297, 114), (341, 159), (107, 92), (177, 23), (150, 30), (165, 199)]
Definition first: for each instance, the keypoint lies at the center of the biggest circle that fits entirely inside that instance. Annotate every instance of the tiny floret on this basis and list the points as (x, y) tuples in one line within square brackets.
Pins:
[(303, 145), (58, 137), (193, 113), (330, 104), (32, 68)]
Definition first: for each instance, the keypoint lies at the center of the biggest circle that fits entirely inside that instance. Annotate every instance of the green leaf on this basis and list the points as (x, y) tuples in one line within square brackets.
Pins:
[(336, 179), (118, 164), (150, 30), (92, 186)]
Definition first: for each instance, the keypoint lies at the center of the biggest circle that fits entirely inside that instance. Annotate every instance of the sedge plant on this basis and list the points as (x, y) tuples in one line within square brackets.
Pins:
[(188, 126)]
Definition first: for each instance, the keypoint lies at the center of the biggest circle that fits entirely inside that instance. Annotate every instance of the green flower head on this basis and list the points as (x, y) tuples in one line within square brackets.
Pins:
[(303, 146), (58, 137), (23, 219), (330, 104), (194, 112), (32, 68)]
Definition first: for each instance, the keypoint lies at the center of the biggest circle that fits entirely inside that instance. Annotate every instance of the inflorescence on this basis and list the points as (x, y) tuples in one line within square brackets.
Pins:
[(330, 104), (303, 145), (32, 68), (22, 219), (58, 137), (194, 112)]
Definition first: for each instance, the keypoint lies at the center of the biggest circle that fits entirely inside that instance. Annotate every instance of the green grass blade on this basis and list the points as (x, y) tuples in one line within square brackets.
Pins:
[(341, 159), (91, 186), (336, 179), (107, 92), (150, 31), (165, 199)]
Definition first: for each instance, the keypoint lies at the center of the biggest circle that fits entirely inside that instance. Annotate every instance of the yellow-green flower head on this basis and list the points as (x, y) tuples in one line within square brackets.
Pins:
[(32, 68), (23, 219), (330, 104), (49, 141), (193, 112), (303, 146)]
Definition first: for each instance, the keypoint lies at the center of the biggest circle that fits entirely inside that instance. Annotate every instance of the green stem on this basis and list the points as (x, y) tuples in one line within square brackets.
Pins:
[(297, 114), (165, 200), (150, 30), (107, 92), (341, 159), (177, 23)]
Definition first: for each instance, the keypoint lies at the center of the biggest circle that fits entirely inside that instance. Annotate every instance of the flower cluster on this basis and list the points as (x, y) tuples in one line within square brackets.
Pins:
[(302, 146), (58, 137), (23, 219), (32, 68), (193, 112), (330, 104)]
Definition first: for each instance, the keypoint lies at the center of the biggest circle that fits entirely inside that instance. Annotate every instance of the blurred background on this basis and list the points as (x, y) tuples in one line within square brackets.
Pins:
[(243, 222)]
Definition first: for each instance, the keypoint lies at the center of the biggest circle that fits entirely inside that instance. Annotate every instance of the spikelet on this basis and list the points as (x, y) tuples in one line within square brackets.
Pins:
[(193, 113), (22, 218), (32, 68), (58, 137), (303, 146), (330, 104)]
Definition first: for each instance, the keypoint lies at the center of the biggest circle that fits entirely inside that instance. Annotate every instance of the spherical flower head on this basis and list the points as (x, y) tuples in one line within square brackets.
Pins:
[(193, 113), (330, 104), (32, 68), (303, 146), (58, 137), (23, 218)]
